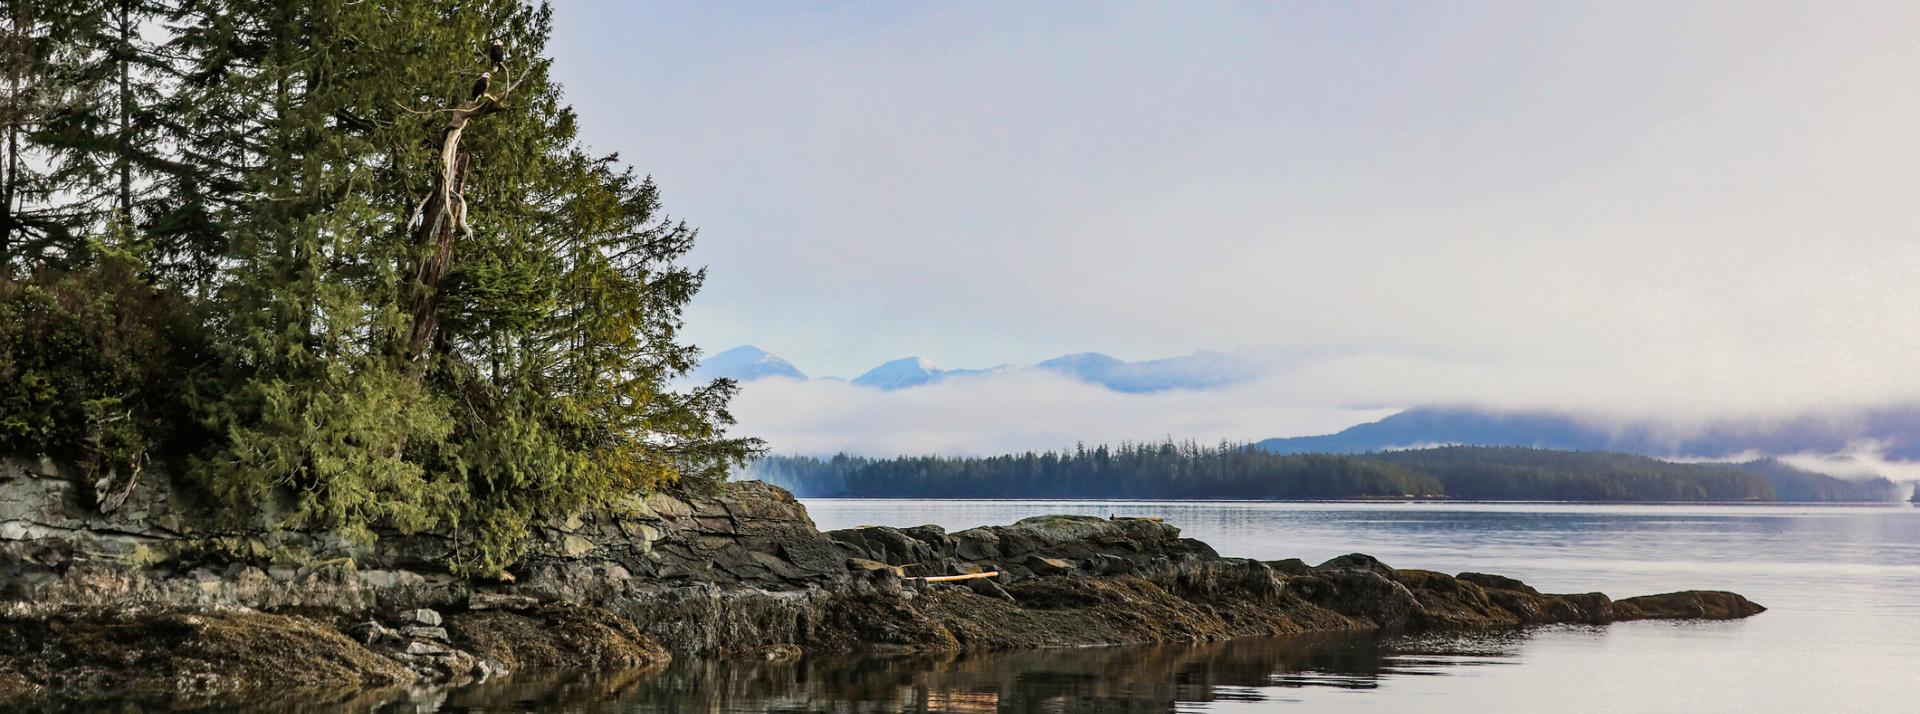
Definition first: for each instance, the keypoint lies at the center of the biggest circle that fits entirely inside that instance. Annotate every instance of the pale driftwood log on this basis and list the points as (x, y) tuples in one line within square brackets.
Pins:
[(968, 576)]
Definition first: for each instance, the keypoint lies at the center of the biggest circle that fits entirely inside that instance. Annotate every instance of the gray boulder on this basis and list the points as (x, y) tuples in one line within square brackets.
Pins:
[(1041, 565), (887, 545), (421, 616)]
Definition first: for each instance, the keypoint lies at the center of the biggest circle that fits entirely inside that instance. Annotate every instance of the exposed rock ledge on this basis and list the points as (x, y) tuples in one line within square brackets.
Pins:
[(145, 603)]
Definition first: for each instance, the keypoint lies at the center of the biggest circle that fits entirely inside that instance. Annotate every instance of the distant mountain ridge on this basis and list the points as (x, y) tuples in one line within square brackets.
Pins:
[(1895, 429), (913, 372), (1510, 473), (1200, 370)]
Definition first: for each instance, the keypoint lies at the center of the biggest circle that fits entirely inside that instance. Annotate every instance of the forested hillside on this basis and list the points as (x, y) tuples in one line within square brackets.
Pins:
[(1793, 484), (342, 261), (1228, 471), (1821, 432), (1509, 473)]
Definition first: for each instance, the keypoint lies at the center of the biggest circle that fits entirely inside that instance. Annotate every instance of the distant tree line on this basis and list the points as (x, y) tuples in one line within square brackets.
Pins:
[(1177, 471), (1167, 471)]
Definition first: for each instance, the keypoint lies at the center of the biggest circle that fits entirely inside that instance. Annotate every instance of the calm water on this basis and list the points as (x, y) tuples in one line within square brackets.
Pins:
[(1843, 632)]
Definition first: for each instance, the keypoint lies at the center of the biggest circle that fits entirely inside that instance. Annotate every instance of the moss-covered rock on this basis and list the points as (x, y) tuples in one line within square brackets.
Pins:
[(180, 658), (556, 636), (1687, 605)]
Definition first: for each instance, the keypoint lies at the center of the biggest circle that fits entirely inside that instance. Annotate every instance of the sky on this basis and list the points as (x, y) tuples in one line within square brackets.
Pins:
[(1644, 207)]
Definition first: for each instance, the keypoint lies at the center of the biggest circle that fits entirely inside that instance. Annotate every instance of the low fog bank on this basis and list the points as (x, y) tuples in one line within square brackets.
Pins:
[(1700, 417), (1013, 412)]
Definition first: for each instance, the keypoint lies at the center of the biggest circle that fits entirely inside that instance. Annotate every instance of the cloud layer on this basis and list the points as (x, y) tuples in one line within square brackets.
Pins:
[(1680, 209), (1635, 187)]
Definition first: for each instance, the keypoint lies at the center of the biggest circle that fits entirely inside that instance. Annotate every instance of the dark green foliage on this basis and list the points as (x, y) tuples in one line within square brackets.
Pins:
[(92, 362), (1163, 471), (37, 215), (267, 157)]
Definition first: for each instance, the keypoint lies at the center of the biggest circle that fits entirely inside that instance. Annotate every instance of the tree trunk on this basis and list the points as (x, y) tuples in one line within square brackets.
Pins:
[(442, 218), (447, 207), (10, 173), (124, 141)]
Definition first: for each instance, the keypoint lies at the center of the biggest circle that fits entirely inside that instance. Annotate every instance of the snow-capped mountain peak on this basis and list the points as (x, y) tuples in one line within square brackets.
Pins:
[(745, 363), (900, 374)]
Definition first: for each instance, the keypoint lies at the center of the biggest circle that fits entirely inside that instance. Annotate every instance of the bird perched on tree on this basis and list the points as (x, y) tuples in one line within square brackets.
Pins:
[(497, 53), (481, 85)]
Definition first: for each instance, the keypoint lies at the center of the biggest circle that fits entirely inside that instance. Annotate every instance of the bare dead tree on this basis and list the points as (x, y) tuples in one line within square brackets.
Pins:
[(441, 218)]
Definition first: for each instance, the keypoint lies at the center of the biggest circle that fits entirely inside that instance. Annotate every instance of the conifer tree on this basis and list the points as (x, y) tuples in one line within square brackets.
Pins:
[(524, 375), (101, 141), (38, 219), (410, 305)]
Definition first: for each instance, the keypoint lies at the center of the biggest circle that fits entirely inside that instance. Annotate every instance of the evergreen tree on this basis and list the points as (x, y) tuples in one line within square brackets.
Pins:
[(101, 142), (447, 313), (424, 305), (38, 219)]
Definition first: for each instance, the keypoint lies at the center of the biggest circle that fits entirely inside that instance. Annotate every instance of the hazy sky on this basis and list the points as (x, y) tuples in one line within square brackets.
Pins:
[(1647, 205)]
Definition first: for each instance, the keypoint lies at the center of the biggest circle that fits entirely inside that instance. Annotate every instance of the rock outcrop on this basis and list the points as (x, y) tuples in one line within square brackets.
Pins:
[(158, 595)]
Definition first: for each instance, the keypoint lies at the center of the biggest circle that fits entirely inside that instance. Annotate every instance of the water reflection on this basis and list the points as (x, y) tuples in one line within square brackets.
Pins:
[(1158, 678)]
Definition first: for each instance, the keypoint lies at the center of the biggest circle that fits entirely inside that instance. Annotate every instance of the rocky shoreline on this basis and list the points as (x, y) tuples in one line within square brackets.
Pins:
[(144, 603)]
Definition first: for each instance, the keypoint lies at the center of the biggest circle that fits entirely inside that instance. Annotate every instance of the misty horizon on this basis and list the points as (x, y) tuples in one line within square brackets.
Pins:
[(1693, 212)]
